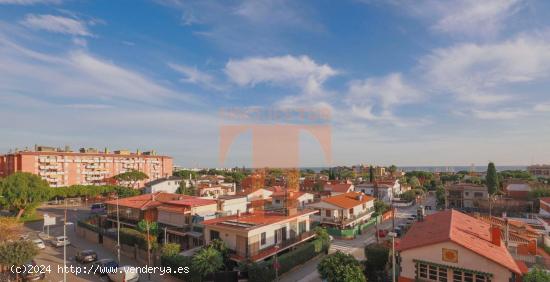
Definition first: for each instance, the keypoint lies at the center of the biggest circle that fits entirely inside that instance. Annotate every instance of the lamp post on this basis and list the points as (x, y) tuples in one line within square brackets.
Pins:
[(65, 244), (117, 231), (276, 266), (393, 235)]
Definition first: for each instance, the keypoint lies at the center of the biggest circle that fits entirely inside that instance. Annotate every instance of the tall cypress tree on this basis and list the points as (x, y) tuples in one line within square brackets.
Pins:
[(371, 174), (492, 178)]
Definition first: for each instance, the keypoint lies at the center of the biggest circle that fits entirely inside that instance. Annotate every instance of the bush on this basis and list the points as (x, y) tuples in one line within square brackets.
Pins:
[(339, 267), (260, 272), (170, 249), (176, 261), (133, 237), (88, 226), (296, 257)]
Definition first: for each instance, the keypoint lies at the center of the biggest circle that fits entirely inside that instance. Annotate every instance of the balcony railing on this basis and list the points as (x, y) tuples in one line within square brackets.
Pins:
[(346, 219)]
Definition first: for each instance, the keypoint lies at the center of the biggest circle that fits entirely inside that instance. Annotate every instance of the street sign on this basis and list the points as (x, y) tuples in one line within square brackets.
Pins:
[(49, 220)]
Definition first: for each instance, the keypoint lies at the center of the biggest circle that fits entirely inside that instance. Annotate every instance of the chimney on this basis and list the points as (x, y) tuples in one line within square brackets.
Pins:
[(238, 213), (495, 236)]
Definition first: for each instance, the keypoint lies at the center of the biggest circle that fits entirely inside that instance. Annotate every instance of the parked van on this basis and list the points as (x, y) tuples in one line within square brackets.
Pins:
[(98, 208)]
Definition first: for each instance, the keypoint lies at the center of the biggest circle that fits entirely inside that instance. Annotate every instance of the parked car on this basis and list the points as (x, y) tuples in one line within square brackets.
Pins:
[(398, 231), (39, 244), (24, 237), (60, 241), (32, 272), (382, 233), (86, 256), (104, 266), (98, 208), (330, 238), (125, 274)]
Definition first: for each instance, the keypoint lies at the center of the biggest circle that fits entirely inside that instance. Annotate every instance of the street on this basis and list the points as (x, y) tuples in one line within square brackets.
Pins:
[(308, 271), (53, 256)]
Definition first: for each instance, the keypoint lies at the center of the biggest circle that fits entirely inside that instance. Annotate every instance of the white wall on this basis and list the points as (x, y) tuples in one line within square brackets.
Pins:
[(168, 186), (231, 206)]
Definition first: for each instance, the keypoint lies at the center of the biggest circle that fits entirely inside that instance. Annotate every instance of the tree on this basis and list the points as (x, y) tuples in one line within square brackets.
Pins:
[(130, 178), (221, 247), (380, 207), (414, 182), (492, 178), (322, 235), (17, 252), (536, 275), (11, 228), (23, 191), (186, 190), (143, 225), (340, 267), (440, 196), (377, 259), (371, 174), (392, 168), (207, 260)]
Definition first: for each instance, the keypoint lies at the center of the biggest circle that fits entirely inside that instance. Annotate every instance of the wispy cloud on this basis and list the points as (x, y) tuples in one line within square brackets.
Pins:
[(194, 76), (300, 71), (56, 24)]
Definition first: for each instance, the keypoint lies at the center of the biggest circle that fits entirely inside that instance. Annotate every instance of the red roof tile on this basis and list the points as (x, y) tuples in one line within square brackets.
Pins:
[(338, 187), (462, 229), (255, 219), (147, 201), (348, 200)]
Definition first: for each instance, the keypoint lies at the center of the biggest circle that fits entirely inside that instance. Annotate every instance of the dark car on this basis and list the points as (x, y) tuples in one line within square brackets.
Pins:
[(86, 256), (98, 208), (32, 272), (104, 266)]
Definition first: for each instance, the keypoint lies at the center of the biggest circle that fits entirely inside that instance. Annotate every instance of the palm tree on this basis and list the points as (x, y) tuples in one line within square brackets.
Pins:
[(207, 260)]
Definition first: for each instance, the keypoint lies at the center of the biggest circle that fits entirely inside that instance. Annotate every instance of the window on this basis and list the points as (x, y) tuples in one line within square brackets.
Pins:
[(478, 194), (214, 235), (465, 276), (328, 213), (302, 227), (351, 211), (364, 206), (263, 238), (467, 193), (431, 272)]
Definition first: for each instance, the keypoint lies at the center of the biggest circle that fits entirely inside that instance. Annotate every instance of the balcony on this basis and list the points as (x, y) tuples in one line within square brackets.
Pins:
[(346, 219), (272, 250)]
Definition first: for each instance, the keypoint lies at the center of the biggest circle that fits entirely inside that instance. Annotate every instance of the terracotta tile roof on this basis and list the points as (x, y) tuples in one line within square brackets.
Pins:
[(545, 199), (145, 201), (253, 220), (338, 187), (348, 200), (464, 230)]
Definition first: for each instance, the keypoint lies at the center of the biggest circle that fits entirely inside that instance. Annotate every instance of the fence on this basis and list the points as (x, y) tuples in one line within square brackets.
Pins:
[(350, 233)]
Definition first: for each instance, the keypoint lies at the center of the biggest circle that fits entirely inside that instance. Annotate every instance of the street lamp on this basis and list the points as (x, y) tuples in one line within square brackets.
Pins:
[(393, 235), (65, 244), (276, 266), (118, 231)]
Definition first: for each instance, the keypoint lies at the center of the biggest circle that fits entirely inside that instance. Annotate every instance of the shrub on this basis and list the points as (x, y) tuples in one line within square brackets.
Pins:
[(170, 249), (177, 261), (133, 237), (339, 267), (260, 272)]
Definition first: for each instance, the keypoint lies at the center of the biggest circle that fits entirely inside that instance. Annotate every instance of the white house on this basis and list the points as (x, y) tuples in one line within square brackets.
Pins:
[(344, 210), (259, 235), (232, 204), (382, 192), (338, 188), (298, 199), (167, 185)]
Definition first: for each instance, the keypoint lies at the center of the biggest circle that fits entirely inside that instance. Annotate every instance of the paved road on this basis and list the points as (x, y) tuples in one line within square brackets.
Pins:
[(308, 271), (53, 256)]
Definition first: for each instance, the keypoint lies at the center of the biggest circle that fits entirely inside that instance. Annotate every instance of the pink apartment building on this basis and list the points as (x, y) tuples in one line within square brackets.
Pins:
[(86, 167)]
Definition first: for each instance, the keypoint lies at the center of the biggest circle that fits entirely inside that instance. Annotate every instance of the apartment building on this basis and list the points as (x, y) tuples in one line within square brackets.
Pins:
[(62, 167), (465, 195), (258, 235), (452, 246), (344, 210), (539, 170)]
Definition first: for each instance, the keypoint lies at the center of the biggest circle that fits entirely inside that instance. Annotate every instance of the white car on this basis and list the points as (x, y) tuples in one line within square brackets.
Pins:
[(39, 244), (61, 241), (125, 273)]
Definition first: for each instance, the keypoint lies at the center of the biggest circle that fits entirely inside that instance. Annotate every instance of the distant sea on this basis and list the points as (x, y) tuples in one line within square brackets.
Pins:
[(441, 168)]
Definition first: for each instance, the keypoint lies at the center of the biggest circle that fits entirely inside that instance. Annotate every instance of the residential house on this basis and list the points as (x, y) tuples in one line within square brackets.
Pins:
[(282, 199), (181, 219), (214, 191), (259, 235), (452, 246), (231, 204), (465, 195), (544, 204), (336, 188), (383, 192), (517, 189), (344, 210), (134, 209), (166, 184)]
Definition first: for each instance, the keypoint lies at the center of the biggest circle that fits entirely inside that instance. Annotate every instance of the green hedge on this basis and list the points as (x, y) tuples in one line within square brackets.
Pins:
[(350, 232), (133, 237), (88, 226), (90, 191), (264, 271)]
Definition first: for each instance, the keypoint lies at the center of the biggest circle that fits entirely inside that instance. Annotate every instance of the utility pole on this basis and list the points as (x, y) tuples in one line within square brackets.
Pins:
[(65, 244), (393, 235), (118, 231), (148, 249)]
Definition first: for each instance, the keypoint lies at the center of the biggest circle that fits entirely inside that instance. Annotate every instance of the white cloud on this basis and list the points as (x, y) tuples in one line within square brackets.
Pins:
[(483, 73), (499, 115), (542, 108), (56, 24), (475, 17), (376, 99), (195, 76), (29, 2), (463, 17), (77, 75), (283, 70)]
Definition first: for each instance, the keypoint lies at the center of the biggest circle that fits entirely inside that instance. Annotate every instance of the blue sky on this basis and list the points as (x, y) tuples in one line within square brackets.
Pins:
[(408, 82)]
